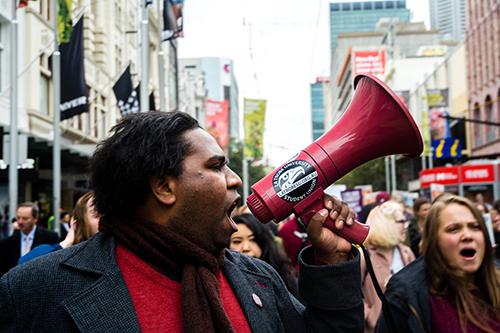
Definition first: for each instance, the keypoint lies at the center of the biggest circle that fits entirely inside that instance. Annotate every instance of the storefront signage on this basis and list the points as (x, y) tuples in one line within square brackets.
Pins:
[(477, 173), (444, 176)]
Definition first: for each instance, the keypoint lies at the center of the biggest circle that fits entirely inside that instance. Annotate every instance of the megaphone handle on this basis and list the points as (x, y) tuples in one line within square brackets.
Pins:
[(356, 233)]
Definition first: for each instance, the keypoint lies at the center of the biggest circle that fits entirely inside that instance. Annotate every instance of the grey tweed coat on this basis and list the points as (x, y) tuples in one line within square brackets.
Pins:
[(81, 289)]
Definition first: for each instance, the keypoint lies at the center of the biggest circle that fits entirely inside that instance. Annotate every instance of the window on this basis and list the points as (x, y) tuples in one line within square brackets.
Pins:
[(477, 127), (490, 116), (334, 7), (356, 6), (389, 4), (118, 58), (45, 8), (44, 94), (401, 4), (368, 5), (346, 6), (379, 5)]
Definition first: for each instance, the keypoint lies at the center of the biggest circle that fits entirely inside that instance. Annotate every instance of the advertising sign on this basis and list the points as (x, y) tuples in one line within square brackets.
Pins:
[(369, 62), (447, 148), (218, 121), (477, 173), (444, 176)]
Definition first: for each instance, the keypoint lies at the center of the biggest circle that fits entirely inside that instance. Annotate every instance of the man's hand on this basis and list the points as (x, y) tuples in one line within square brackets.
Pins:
[(328, 246)]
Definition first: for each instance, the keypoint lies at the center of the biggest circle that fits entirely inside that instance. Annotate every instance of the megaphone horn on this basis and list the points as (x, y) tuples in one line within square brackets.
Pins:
[(375, 124)]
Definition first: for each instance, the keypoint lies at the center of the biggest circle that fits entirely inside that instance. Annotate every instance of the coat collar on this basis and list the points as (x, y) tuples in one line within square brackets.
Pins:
[(105, 305)]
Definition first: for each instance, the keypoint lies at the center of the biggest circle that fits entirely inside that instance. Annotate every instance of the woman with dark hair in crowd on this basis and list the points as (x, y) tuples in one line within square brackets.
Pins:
[(454, 286), (255, 239)]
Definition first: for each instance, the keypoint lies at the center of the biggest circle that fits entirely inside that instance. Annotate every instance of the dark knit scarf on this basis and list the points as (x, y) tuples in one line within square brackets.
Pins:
[(202, 309)]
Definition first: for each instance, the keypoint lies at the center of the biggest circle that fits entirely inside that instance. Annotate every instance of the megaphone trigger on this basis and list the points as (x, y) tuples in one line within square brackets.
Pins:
[(308, 207)]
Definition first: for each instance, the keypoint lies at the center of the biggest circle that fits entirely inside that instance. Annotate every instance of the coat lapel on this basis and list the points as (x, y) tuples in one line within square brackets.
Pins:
[(251, 288), (105, 305)]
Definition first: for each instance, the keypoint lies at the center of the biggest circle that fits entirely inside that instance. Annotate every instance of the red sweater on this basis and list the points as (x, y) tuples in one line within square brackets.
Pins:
[(157, 299)]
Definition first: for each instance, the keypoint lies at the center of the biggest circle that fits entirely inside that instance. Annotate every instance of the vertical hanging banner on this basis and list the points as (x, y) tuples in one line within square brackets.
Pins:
[(218, 121), (74, 91), (64, 21), (438, 106), (126, 96), (172, 19), (255, 112)]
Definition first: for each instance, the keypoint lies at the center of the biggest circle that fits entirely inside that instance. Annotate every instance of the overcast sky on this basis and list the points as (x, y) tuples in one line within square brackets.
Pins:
[(278, 47)]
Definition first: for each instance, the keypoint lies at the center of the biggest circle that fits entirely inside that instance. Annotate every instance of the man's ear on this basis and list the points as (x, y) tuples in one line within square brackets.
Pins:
[(163, 189)]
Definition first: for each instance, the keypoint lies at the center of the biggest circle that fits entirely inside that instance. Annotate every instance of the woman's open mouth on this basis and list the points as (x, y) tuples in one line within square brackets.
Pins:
[(468, 254)]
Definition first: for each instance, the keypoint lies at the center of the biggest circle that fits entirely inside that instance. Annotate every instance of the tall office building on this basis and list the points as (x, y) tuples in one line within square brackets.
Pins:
[(448, 17), (318, 90), (349, 17)]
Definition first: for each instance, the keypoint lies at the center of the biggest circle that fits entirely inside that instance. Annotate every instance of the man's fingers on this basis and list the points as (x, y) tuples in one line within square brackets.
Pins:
[(316, 223)]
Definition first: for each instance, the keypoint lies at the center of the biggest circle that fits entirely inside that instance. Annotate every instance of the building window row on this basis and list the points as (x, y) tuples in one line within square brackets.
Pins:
[(370, 5)]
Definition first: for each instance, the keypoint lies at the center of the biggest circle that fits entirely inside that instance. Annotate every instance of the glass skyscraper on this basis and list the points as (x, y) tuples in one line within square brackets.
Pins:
[(317, 110), (350, 17)]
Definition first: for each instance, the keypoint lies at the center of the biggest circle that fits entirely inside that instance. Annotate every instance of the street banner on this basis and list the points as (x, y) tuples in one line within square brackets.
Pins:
[(172, 19), (126, 96), (255, 113), (64, 21), (23, 3), (369, 62), (447, 148), (74, 91), (436, 190), (438, 107), (218, 121)]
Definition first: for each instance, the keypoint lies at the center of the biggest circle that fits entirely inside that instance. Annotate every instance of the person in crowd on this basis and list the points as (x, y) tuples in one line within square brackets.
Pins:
[(479, 199), (294, 236), (255, 240), (421, 208), (29, 236), (454, 286), (83, 225), (380, 198), (496, 230), (488, 220), (388, 255), (65, 225), (160, 261)]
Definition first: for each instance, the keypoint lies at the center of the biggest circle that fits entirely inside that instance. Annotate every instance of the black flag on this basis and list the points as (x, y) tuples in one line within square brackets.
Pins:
[(74, 91), (151, 106), (125, 95)]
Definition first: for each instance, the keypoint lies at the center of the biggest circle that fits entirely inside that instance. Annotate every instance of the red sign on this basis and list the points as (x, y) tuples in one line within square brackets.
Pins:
[(322, 79), (218, 121), (369, 62), (444, 176), (477, 173)]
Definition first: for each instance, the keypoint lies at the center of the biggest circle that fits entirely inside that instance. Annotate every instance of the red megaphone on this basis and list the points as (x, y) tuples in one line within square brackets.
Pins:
[(375, 124)]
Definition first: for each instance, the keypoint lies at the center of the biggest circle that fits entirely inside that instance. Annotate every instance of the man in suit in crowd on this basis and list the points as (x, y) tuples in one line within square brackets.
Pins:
[(26, 238), (160, 261)]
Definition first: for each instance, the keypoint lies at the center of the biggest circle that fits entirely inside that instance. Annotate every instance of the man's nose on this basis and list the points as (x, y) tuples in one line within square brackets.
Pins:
[(233, 180)]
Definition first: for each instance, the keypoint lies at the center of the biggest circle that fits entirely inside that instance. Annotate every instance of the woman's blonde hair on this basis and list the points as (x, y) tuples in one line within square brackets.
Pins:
[(382, 222), (83, 230), (448, 282)]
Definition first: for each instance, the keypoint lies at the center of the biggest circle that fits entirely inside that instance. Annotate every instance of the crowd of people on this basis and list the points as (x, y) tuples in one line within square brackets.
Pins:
[(159, 245)]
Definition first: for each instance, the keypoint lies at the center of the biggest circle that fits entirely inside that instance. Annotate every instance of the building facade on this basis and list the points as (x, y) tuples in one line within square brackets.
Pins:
[(482, 46), (318, 100), (111, 43), (220, 83), (448, 17), (358, 17)]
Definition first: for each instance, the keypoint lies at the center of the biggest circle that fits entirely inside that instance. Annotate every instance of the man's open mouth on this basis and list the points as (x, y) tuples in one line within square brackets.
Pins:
[(230, 210)]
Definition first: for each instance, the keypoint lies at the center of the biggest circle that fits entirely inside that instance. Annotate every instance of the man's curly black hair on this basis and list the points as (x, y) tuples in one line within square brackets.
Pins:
[(141, 146)]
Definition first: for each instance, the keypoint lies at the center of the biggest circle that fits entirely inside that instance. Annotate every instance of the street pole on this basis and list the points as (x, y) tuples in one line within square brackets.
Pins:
[(393, 171), (144, 58), (13, 174), (56, 82), (387, 176), (161, 70), (245, 177)]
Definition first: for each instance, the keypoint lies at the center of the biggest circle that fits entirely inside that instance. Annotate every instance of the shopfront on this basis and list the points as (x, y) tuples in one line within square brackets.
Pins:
[(466, 180)]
